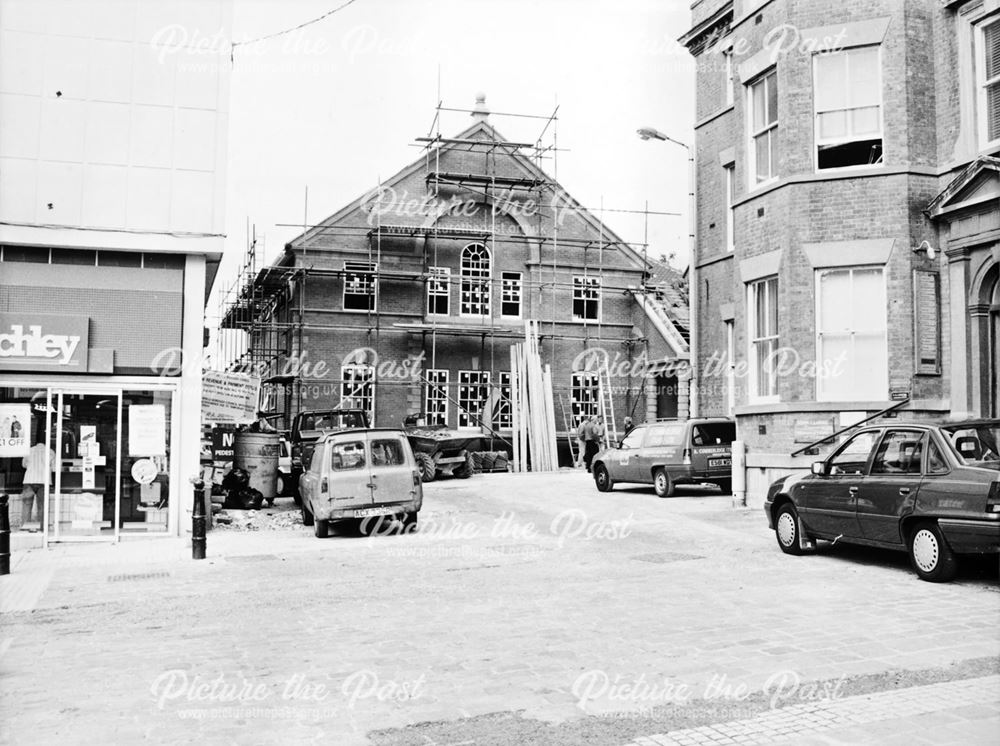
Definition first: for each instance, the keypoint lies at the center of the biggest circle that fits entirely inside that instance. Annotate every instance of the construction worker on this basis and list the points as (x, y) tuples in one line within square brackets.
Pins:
[(593, 431)]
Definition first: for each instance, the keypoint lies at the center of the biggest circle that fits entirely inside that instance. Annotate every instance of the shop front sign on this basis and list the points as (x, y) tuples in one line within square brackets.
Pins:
[(30, 341)]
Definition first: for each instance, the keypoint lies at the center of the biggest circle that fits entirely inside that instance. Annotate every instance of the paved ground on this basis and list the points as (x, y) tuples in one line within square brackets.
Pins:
[(528, 609)]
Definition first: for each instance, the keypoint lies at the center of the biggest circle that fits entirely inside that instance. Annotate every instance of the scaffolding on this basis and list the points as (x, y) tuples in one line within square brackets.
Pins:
[(269, 304)]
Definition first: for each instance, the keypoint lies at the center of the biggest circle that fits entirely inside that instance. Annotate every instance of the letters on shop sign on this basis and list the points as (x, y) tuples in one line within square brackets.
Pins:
[(18, 343)]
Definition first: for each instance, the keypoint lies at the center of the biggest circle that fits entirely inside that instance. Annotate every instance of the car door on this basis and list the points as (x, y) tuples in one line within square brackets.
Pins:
[(312, 477), (663, 447), (828, 503), (623, 462), (891, 485), (712, 449), (349, 483), (394, 478)]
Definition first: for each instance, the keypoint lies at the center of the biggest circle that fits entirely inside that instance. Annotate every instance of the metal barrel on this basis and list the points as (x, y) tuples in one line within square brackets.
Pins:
[(258, 454)]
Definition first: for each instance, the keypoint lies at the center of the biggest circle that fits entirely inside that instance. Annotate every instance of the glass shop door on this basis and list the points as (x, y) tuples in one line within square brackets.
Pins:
[(84, 504)]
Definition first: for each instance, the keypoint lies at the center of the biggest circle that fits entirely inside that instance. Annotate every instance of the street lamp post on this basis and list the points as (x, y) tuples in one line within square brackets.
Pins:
[(648, 133)]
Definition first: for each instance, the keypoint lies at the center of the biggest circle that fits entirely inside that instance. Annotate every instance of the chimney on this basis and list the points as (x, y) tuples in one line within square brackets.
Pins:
[(479, 112)]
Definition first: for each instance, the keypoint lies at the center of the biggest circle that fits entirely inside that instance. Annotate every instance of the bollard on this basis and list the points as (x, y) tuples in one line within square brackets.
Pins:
[(4, 534), (198, 540)]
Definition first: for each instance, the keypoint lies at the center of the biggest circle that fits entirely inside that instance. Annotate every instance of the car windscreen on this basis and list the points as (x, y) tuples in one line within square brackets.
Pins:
[(975, 443), (713, 434)]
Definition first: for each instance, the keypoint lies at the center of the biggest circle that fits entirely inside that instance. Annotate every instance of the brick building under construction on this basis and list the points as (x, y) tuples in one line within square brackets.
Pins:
[(408, 299)]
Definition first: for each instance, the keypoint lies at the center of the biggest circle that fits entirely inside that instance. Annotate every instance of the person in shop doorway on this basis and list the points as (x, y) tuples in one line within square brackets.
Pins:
[(35, 479)]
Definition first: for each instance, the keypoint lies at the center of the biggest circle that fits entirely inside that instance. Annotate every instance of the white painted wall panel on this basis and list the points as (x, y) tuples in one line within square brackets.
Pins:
[(110, 71), (191, 207), (17, 189), (19, 125), (63, 129), (148, 199), (130, 143), (103, 141), (20, 63), (194, 139), (60, 184), (152, 136), (103, 187)]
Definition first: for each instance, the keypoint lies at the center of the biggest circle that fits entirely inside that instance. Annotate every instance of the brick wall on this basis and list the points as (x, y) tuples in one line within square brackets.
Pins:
[(919, 102)]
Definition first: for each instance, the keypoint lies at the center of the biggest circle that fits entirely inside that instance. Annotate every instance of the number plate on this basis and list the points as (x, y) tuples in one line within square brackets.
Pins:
[(713, 462), (366, 512)]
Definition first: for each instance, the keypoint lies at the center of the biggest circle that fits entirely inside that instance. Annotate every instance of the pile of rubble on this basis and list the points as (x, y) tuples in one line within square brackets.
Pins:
[(278, 518)]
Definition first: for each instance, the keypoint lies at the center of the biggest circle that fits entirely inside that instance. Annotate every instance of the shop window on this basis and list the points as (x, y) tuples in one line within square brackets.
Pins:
[(439, 291), (848, 108), (119, 259), (583, 396), (473, 390), (360, 286), (586, 299), (358, 389), (436, 396), (763, 103), (510, 290), (30, 254), (851, 335), (763, 322), (74, 256), (988, 77), (476, 273), (162, 261)]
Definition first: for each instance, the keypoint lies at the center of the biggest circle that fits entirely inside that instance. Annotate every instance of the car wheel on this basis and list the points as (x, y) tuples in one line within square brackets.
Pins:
[(726, 485), (786, 529), (930, 554), (280, 484), (321, 528), (307, 517), (663, 484), (428, 470), (602, 478)]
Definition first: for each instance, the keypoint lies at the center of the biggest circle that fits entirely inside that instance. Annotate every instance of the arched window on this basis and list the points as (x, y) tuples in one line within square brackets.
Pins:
[(476, 269)]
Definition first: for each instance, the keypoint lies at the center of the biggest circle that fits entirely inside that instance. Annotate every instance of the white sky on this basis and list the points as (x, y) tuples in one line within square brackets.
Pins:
[(338, 105)]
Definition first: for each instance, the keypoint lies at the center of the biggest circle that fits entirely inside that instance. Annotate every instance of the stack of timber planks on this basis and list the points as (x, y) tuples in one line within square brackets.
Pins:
[(532, 406)]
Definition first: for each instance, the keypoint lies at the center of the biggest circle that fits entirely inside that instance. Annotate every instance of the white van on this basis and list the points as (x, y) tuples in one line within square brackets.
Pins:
[(358, 474)]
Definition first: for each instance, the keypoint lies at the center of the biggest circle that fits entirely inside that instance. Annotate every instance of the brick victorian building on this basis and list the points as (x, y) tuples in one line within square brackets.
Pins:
[(848, 224), (409, 298)]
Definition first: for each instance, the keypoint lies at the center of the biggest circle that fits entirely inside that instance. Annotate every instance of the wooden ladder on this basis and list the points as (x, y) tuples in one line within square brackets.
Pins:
[(606, 405)]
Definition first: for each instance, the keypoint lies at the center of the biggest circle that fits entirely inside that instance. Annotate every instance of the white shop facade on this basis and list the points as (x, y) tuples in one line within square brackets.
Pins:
[(100, 390)]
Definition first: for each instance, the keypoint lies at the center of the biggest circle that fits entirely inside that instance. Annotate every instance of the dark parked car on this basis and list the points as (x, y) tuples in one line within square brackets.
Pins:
[(931, 490), (666, 454)]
